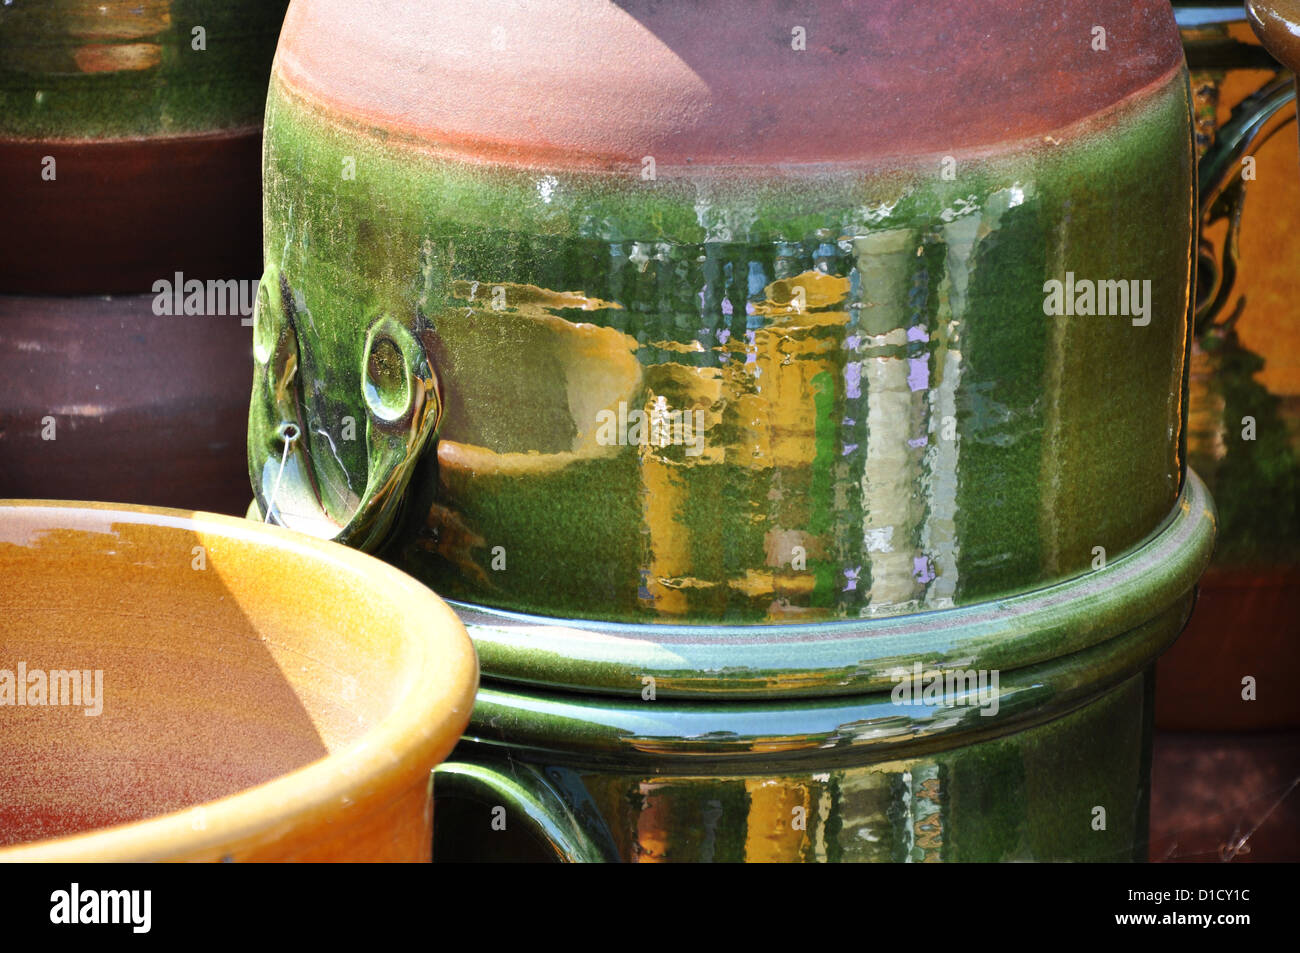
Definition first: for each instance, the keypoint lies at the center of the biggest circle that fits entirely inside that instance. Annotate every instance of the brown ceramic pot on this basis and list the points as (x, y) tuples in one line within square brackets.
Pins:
[(101, 399)]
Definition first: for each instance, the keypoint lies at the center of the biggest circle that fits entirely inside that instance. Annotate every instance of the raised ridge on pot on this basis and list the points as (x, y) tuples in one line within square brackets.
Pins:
[(853, 657)]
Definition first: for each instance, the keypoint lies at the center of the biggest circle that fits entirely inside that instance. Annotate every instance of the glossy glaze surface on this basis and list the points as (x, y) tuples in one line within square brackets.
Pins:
[(850, 658), (1278, 24), (261, 695), (864, 779), (887, 420), (693, 769), (106, 69)]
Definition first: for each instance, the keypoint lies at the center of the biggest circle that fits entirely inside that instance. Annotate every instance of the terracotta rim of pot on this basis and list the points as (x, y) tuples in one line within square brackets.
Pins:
[(855, 656), (419, 729), (483, 92)]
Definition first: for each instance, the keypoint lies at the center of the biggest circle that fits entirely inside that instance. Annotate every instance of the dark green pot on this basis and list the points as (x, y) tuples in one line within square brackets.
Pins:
[(733, 760), (129, 69)]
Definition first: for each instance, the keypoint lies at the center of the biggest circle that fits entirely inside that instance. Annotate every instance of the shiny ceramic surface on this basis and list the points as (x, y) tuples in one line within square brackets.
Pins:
[(790, 369), (852, 658), (256, 694), (129, 139), (1278, 24), (1057, 769)]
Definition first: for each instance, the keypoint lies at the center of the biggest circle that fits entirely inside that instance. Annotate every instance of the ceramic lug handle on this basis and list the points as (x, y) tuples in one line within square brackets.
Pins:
[(299, 479), (1222, 188), (527, 797), (1277, 23)]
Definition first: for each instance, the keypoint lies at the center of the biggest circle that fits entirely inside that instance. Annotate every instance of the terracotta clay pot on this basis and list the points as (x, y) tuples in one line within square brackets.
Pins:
[(763, 340), (129, 140), (102, 399), (244, 693)]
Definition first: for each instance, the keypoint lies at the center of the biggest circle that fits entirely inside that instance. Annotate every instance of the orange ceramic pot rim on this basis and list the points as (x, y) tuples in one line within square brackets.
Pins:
[(429, 708)]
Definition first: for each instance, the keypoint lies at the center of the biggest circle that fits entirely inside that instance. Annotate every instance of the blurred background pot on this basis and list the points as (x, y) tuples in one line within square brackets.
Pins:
[(704, 358), (102, 399), (130, 138), (1243, 431), (257, 695), (129, 141)]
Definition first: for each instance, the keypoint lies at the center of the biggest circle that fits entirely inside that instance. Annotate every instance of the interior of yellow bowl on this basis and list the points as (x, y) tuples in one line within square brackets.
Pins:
[(253, 690)]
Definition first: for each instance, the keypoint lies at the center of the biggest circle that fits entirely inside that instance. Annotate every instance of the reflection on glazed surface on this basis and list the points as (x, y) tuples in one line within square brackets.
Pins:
[(107, 68), (1027, 796), (301, 481), (828, 397)]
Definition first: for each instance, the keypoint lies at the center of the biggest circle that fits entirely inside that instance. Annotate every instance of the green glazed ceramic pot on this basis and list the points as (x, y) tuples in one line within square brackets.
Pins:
[(732, 404), (773, 338), (696, 743), (129, 136)]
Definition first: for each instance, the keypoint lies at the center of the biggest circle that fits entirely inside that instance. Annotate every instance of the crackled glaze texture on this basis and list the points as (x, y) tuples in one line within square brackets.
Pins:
[(845, 300)]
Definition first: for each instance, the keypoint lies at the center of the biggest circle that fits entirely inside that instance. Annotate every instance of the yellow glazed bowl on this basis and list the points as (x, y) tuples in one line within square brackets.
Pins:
[(186, 686)]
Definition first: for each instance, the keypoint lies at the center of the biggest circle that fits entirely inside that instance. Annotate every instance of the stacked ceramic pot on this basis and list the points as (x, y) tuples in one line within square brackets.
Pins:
[(793, 402), (130, 136)]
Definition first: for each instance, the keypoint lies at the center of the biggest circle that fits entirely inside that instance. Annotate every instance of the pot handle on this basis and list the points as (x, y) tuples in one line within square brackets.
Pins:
[(402, 407), (525, 794), (1221, 194)]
